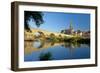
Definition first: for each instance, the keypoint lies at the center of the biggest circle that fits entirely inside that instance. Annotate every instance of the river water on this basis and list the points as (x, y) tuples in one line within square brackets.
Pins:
[(40, 51)]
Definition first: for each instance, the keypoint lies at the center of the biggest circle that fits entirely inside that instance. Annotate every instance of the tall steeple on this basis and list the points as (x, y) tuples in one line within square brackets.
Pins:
[(71, 26)]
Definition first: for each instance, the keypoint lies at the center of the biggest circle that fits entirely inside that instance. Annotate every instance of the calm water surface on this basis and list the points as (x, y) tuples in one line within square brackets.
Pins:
[(39, 50)]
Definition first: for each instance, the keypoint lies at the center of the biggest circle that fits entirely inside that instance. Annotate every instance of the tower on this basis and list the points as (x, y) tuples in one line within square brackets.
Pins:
[(71, 28)]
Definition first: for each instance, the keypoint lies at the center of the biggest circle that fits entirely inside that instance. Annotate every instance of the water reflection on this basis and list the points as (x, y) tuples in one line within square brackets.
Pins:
[(38, 44), (45, 50), (45, 56)]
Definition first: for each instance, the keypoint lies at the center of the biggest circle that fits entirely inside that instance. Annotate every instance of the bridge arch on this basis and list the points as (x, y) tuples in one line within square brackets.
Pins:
[(60, 36), (41, 34), (52, 35)]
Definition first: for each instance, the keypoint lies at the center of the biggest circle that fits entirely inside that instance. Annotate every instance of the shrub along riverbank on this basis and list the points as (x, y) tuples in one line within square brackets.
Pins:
[(71, 39)]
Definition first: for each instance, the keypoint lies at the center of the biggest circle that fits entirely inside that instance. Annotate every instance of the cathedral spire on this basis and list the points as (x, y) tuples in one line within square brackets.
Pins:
[(71, 26)]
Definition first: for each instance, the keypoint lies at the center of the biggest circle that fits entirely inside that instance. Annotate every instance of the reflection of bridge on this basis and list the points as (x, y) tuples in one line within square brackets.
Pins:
[(29, 46), (31, 35)]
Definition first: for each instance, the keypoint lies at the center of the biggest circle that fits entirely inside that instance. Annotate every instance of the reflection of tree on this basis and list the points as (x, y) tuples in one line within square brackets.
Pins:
[(71, 44), (37, 16), (45, 56), (52, 43)]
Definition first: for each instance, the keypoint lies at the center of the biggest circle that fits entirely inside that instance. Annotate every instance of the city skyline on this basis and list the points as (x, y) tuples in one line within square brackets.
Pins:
[(57, 21)]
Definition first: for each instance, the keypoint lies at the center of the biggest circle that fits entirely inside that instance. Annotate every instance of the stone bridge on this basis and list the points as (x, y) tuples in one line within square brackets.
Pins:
[(35, 32)]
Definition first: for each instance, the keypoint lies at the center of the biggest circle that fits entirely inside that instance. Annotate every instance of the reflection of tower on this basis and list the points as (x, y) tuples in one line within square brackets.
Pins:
[(71, 51)]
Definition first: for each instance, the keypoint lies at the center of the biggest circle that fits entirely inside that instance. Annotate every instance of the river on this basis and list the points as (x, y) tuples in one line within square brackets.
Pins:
[(45, 50)]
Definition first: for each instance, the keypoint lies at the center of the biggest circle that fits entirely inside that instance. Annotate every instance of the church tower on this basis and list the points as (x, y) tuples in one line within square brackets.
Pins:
[(71, 28)]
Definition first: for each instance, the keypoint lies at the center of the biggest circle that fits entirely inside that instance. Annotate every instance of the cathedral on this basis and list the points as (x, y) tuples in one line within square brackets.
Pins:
[(69, 31)]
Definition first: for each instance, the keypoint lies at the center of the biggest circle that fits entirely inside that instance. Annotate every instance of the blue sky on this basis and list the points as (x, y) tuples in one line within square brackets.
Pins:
[(56, 21)]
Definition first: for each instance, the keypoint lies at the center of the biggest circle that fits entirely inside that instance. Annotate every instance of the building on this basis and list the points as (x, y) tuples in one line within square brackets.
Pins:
[(69, 31), (86, 34)]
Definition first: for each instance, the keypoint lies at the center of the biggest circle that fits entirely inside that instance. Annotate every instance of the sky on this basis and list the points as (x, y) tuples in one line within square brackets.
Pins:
[(57, 21)]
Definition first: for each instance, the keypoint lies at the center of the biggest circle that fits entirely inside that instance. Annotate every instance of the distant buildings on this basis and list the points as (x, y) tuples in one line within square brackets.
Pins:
[(71, 31), (86, 34)]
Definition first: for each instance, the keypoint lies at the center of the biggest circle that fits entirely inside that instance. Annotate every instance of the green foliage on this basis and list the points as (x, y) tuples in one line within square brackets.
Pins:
[(76, 39), (37, 16), (84, 40), (63, 31)]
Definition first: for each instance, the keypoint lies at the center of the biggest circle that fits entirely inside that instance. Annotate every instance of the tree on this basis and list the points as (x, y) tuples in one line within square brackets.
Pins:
[(79, 31), (37, 16), (62, 31)]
